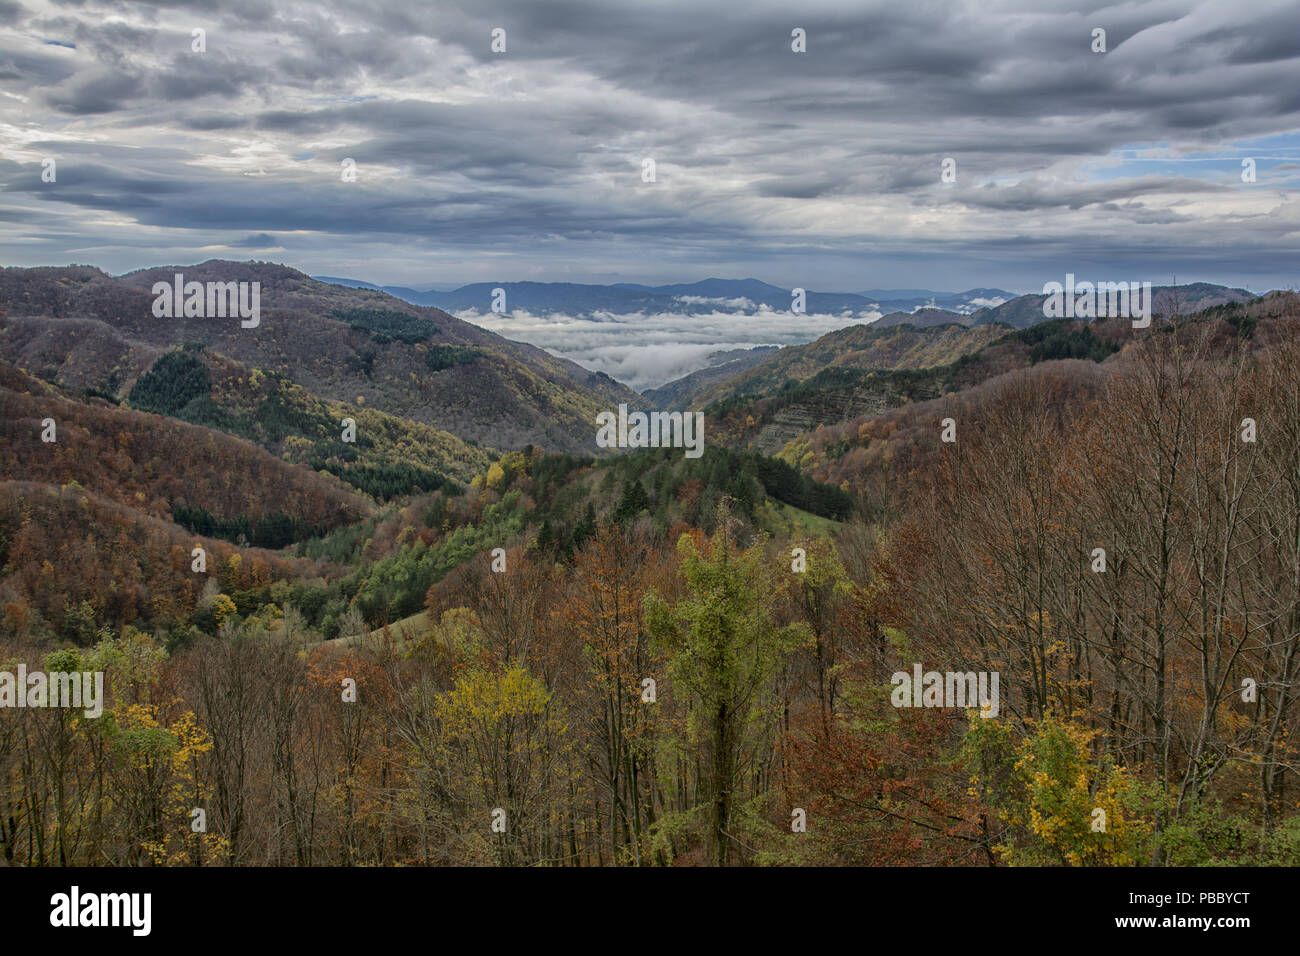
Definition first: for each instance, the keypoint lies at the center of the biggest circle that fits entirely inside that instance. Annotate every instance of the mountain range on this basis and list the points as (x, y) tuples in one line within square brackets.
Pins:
[(657, 338), (742, 296)]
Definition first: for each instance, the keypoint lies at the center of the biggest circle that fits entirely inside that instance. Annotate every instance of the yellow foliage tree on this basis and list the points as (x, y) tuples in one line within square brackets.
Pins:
[(222, 608), (1062, 807), (507, 743)]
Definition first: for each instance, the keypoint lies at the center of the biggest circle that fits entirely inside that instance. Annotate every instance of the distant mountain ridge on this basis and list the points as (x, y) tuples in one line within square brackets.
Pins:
[(741, 296), (903, 341), (1026, 310), (1188, 299)]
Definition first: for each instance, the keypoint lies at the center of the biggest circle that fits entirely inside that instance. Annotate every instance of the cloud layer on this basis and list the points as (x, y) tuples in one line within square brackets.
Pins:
[(647, 350)]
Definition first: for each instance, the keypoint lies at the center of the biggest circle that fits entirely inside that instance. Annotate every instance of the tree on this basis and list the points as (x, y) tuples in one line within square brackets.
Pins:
[(819, 594), (632, 502), (505, 736), (605, 608), (1063, 807), (724, 649)]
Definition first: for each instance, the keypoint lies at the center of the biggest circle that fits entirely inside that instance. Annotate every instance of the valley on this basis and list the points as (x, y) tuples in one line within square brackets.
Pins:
[(389, 495)]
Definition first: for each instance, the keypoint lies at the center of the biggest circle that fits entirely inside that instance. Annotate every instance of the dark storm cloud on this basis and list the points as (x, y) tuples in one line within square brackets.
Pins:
[(96, 91), (819, 169)]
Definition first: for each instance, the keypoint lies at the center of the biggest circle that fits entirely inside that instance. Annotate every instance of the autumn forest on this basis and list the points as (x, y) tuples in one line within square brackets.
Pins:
[(417, 648)]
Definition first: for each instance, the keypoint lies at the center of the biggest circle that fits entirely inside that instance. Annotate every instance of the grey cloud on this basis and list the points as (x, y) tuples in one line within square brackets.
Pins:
[(260, 241), (99, 91), (1036, 193), (772, 163)]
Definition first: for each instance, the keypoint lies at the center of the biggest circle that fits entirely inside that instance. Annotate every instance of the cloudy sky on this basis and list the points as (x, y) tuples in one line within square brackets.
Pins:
[(817, 169)]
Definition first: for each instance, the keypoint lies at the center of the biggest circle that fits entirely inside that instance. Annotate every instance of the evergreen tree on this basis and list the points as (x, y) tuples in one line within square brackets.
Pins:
[(724, 649), (632, 502), (546, 537), (586, 528)]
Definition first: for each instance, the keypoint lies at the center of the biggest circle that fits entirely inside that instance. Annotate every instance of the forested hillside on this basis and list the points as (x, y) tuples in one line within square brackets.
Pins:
[(79, 327), (642, 658)]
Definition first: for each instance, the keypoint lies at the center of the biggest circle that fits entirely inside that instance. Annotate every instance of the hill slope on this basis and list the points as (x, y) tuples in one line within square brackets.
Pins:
[(345, 345)]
